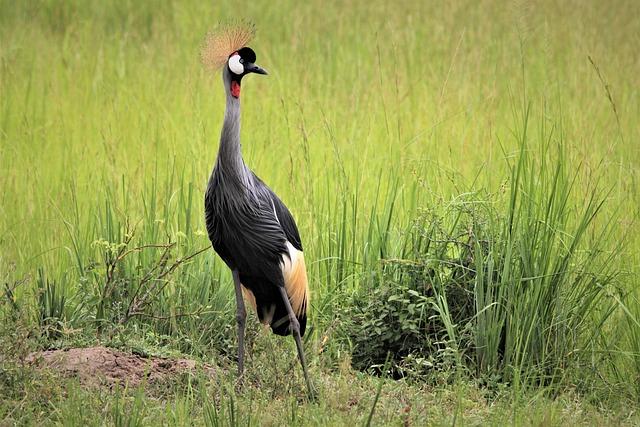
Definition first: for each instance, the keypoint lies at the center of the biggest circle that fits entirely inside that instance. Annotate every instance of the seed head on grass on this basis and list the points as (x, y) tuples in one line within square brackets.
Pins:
[(223, 41)]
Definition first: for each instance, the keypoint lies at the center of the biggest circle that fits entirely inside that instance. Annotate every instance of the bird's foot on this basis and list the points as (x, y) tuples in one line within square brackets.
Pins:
[(312, 392), (239, 383)]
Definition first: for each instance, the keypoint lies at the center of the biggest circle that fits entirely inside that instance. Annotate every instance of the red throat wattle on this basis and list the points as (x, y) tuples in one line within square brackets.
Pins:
[(235, 89)]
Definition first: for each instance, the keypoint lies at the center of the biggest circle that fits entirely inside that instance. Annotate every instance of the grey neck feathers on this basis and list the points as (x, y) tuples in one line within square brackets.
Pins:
[(230, 165)]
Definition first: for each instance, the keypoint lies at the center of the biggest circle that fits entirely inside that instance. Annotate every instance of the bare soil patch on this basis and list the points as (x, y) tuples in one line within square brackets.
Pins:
[(103, 366)]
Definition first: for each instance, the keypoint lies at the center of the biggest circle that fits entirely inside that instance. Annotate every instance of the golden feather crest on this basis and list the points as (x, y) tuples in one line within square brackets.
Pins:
[(223, 41)]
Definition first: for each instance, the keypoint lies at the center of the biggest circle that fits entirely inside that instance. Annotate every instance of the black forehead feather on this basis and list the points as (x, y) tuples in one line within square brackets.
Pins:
[(247, 54)]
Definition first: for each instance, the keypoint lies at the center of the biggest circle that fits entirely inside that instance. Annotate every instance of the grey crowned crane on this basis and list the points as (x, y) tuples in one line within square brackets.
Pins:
[(249, 226)]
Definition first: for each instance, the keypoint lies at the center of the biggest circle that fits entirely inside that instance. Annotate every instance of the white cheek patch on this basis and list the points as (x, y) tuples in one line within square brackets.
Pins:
[(235, 65)]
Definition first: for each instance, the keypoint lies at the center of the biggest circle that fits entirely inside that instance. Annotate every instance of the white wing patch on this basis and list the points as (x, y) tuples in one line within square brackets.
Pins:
[(289, 261), (294, 273)]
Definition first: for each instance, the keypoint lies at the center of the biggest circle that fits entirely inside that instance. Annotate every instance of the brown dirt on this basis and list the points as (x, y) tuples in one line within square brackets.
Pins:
[(102, 366)]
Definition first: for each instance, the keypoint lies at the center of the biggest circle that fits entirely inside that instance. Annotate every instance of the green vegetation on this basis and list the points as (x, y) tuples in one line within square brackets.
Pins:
[(464, 177)]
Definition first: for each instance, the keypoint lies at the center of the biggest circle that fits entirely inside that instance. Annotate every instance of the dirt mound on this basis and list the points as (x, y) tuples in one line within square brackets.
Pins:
[(102, 366)]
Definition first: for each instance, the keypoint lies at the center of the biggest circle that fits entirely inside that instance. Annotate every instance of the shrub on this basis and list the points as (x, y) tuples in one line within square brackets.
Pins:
[(421, 310)]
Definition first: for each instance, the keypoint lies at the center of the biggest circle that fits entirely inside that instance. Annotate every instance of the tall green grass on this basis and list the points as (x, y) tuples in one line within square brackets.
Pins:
[(512, 286)]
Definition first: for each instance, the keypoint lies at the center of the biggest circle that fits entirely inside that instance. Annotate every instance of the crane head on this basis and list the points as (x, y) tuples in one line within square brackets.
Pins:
[(239, 64), (227, 47)]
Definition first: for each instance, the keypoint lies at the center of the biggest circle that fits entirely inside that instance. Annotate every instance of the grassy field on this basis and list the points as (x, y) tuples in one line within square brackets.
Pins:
[(465, 177)]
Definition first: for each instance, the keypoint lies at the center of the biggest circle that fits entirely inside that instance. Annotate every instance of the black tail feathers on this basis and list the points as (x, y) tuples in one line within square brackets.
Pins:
[(271, 309), (280, 324)]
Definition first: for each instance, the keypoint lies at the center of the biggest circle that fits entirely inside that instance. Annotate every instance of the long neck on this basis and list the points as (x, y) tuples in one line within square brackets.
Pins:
[(229, 154)]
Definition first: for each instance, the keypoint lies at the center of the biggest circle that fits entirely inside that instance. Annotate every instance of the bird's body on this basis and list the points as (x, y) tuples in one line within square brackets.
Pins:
[(248, 225), (255, 235)]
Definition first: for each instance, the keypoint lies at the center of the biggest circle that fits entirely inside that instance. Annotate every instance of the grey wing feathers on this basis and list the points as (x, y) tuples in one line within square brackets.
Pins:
[(250, 232), (244, 231), (283, 216)]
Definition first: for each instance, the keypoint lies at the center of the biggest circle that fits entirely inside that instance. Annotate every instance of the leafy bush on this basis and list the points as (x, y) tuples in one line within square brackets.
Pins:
[(411, 313)]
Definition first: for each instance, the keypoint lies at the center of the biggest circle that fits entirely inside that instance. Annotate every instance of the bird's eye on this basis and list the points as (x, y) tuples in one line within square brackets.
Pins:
[(235, 65)]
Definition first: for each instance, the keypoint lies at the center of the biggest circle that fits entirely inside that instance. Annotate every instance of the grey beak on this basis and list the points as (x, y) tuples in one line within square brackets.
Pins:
[(253, 68)]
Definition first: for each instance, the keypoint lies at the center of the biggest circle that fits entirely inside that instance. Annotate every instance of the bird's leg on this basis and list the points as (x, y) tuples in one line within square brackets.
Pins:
[(241, 316), (295, 330)]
